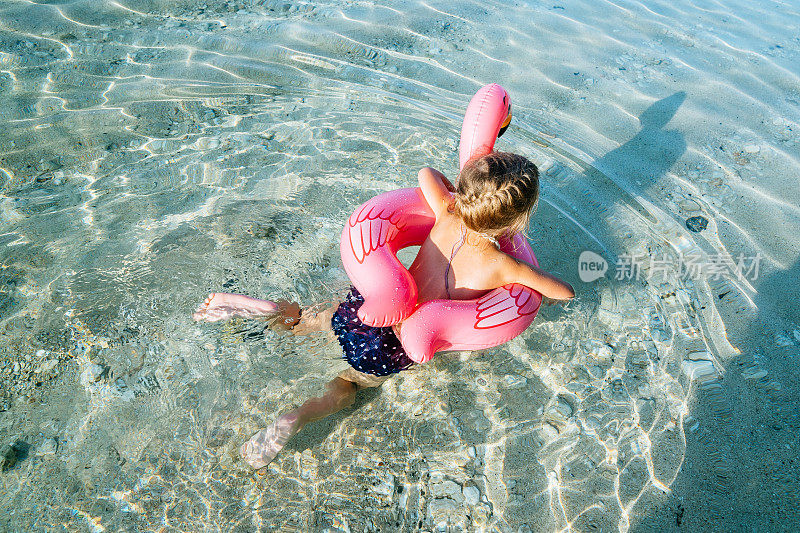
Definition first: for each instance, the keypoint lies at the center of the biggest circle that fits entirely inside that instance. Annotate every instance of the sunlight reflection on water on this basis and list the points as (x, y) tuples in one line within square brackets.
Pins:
[(153, 152)]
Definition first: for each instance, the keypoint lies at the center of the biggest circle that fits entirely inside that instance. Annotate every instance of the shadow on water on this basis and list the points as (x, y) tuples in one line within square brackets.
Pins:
[(739, 469), (642, 162), (778, 292), (619, 178), (726, 480), (652, 151)]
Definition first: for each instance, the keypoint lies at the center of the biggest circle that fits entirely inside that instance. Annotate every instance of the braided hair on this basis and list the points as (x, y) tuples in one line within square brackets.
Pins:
[(496, 193)]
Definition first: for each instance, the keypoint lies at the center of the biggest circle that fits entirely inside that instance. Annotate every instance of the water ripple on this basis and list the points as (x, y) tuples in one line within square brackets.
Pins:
[(152, 152)]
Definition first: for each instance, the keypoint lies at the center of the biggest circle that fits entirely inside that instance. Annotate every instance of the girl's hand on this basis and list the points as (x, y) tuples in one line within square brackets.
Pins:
[(551, 301)]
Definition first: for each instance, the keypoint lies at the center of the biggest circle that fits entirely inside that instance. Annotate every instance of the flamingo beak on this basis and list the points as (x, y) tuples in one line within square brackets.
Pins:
[(504, 125)]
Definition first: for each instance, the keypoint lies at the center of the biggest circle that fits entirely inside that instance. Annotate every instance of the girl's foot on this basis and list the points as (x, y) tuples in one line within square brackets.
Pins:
[(221, 306), (262, 447)]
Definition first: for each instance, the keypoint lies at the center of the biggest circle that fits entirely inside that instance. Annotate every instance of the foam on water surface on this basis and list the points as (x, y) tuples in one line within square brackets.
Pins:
[(152, 152)]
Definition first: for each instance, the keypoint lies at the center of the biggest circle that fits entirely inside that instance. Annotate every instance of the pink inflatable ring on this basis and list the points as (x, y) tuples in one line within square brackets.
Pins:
[(397, 219)]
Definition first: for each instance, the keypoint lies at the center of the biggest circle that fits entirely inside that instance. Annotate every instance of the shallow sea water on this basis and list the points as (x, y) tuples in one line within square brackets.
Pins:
[(153, 151)]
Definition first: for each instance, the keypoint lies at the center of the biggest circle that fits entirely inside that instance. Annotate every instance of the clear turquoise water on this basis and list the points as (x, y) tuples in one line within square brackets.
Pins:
[(151, 152)]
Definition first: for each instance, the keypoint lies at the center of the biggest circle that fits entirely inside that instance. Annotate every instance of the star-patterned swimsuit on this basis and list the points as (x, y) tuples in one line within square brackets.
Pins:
[(371, 350)]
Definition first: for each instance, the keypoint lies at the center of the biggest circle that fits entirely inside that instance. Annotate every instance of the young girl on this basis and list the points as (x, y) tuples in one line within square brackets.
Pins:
[(459, 260)]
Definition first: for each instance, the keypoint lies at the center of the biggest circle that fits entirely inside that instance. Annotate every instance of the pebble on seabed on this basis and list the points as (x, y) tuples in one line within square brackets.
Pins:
[(515, 382), (8, 457), (561, 411), (697, 224), (688, 205), (752, 148), (447, 488), (92, 374), (11, 454), (442, 510), (701, 355), (386, 486), (46, 366), (95, 371), (472, 494), (49, 446), (700, 370)]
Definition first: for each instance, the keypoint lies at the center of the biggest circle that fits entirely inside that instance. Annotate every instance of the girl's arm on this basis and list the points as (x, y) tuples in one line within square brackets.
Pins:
[(516, 271), (436, 189)]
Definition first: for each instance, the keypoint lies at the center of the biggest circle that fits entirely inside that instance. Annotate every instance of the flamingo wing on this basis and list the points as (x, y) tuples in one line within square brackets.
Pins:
[(370, 228), (505, 305)]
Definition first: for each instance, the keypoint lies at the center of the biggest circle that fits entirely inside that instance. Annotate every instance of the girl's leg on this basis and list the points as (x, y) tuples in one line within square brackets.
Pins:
[(316, 318), (284, 314), (221, 306), (265, 445)]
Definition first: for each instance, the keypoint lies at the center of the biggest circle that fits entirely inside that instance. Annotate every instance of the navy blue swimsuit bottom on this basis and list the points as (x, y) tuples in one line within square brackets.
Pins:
[(375, 351)]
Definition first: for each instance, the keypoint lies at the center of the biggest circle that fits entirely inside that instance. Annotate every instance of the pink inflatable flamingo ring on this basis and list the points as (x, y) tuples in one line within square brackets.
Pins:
[(397, 219)]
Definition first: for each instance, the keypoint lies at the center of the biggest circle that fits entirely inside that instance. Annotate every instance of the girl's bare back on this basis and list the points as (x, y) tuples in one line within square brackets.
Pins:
[(472, 260), (467, 262)]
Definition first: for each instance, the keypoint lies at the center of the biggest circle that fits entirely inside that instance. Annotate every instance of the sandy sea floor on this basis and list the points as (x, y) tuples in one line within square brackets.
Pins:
[(152, 151)]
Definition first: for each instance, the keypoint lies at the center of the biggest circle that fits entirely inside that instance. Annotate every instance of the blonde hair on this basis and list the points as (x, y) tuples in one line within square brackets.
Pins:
[(497, 193)]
